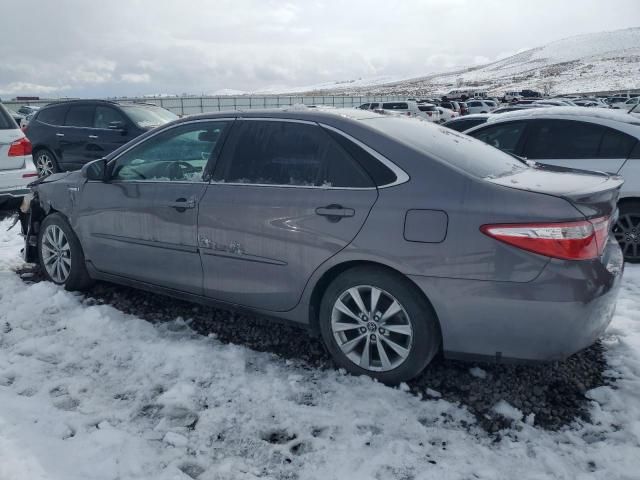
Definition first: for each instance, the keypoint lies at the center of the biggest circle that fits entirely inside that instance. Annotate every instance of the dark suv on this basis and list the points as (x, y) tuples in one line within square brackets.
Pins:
[(66, 135)]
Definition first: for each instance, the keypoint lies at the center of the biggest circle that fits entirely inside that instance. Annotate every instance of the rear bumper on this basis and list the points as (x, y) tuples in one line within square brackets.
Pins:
[(562, 311), (13, 183)]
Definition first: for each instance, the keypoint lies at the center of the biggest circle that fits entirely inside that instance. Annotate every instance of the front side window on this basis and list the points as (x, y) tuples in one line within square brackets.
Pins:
[(504, 136), (106, 116), (563, 139), (178, 154), (288, 153)]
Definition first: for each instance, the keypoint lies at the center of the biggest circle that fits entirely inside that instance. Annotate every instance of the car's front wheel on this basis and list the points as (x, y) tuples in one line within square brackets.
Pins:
[(377, 323), (45, 163), (61, 255)]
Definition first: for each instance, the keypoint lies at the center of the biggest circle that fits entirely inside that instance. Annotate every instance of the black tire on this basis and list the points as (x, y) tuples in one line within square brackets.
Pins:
[(426, 338), (78, 277), (45, 162), (627, 230)]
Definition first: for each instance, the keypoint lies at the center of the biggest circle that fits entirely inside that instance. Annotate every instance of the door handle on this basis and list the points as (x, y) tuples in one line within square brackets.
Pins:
[(335, 212), (59, 134), (93, 137), (182, 204)]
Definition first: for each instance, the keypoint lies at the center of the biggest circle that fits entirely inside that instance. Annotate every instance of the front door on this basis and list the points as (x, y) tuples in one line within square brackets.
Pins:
[(142, 224), (73, 138), (285, 198)]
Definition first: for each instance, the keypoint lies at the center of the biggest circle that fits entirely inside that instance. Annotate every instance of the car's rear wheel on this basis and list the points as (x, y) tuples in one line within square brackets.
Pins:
[(45, 163), (377, 323), (627, 231), (61, 255)]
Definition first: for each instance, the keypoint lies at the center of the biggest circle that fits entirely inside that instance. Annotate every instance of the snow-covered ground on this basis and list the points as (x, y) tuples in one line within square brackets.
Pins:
[(87, 392)]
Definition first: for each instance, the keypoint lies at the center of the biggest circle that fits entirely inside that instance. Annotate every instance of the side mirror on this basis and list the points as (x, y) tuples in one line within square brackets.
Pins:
[(96, 170), (118, 126)]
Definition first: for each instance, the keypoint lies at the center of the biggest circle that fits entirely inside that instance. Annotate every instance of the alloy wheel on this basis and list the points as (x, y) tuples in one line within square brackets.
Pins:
[(371, 328), (627, 232), (56, 253), (44, 164)]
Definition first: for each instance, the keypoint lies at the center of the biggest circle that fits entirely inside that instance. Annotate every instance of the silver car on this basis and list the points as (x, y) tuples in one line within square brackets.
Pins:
[(575, 137), (390, 237)]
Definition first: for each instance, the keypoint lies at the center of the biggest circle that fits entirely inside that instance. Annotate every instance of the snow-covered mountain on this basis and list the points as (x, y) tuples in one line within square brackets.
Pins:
[(583, 63)]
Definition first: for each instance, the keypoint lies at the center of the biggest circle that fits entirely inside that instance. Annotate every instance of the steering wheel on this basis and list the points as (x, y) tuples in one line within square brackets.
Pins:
[(179, 169)]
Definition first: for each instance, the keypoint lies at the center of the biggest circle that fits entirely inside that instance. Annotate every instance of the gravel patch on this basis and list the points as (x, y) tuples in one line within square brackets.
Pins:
[(549, 396)]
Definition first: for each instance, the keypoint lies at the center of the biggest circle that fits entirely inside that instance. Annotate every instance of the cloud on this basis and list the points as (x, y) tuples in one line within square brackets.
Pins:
[(141, 46)]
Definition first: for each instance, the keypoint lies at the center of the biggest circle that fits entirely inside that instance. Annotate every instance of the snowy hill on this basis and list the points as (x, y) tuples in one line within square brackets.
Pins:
[(584, 63)]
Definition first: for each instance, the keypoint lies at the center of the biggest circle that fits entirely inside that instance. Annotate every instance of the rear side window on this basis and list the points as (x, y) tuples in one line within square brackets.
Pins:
[(80, 116), (6, 121), (395, 106), (563, 139), (504, 136), (615, 144), (379, 173), (53, 115), (288, 153)]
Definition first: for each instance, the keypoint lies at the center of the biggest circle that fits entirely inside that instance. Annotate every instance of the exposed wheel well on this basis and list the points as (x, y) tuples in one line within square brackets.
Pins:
[(321, 286), (626, 200)]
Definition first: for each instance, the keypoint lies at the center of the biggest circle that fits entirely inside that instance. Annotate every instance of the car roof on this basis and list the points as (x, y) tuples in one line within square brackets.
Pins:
[(568, 113)]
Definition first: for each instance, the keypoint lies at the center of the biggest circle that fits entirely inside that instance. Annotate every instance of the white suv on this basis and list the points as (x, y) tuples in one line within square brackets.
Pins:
[(481, 106), (408, 108), (16, 165)]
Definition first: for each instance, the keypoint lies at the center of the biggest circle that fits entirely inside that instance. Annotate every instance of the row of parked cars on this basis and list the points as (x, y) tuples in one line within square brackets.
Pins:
[(390, 237)]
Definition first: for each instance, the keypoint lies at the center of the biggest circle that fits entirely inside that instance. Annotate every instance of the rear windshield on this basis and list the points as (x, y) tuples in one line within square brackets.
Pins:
[(6, 121), (426, 108), (148, 116), (465, 153), (395, 106)]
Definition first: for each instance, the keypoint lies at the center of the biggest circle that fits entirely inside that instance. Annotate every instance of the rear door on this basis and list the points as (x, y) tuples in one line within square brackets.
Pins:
[(142, 224), (577, 144), (74, 137), (285, 198)]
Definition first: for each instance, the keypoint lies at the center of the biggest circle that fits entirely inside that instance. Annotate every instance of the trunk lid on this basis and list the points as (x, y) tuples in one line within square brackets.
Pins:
[(594, 194)]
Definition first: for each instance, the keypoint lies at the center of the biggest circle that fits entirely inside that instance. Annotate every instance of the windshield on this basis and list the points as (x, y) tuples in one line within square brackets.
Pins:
[(148, 116), (463, 152)]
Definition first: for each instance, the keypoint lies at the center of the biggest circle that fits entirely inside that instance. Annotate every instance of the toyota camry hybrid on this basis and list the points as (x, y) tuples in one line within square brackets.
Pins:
[(393, 239)]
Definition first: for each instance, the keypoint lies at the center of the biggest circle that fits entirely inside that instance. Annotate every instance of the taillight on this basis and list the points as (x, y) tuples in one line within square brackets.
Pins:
[(20, 147), (579, 240)]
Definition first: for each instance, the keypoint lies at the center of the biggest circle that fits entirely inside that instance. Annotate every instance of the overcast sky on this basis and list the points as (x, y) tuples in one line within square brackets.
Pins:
[(105, 48)]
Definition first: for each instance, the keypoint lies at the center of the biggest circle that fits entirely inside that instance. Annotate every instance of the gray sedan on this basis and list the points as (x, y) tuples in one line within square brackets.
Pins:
[(391, 238)]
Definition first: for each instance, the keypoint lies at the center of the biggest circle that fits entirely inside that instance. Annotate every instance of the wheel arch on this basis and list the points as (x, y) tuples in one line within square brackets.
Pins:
[(332, 273)]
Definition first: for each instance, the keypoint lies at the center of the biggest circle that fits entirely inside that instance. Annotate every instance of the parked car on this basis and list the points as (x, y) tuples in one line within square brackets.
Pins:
[(590, 139), (429, 111), (629, 104), (481, 106), (464, 109), (512, 96), (27, 109), (451, 105), (67, 135), (16, 167), (17, 117), (25, 121), (617, 102), (513, 108), (447, 114), (527, 93), (460, 124), (356, 226)]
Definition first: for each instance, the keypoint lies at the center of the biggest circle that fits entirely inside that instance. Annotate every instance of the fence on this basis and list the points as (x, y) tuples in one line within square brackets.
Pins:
[(192, 105)]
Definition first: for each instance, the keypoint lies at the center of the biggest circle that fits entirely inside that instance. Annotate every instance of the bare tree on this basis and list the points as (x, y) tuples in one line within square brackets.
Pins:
[(547, 88)]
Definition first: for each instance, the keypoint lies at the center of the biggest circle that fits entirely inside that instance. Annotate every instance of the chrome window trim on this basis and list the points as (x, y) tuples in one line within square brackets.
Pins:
[(401, 175)]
